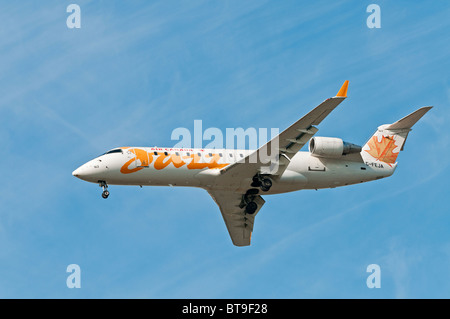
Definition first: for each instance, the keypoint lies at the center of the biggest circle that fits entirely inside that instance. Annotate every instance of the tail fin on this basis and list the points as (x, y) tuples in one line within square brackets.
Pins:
[(389, 139)]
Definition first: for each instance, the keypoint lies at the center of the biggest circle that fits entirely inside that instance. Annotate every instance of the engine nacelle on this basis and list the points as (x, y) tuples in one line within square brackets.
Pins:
[(331, 147)]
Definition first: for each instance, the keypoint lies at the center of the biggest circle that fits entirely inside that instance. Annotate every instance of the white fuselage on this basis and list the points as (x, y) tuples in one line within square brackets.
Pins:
[(153, 166)]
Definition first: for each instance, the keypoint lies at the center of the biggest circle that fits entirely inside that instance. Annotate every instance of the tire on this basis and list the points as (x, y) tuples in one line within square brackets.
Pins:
[(266, 183), (251, 208), (105, 194)]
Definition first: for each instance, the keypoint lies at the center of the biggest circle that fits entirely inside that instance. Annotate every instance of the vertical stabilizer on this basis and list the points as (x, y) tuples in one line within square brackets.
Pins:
[(389, 139)]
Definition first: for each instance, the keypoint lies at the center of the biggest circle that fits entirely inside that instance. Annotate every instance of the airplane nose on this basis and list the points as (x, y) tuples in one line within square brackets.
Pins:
[(84, 171), (90, 171), (78, 172)]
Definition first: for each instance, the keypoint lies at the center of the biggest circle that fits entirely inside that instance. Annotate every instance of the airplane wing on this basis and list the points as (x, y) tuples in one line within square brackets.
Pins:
[(273, 157), (239, 223), (279, 150)]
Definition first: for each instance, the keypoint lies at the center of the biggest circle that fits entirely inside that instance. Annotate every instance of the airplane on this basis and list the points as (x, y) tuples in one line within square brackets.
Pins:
[(236, 179)]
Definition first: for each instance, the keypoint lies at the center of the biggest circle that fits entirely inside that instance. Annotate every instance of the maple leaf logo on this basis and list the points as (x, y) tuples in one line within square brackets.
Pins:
[(382, 150)]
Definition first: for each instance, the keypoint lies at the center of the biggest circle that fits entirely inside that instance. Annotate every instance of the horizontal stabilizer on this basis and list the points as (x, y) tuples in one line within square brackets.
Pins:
[(408, 121)]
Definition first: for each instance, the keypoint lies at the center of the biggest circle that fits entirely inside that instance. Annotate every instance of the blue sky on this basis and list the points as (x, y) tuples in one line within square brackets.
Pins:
[(135, 72)]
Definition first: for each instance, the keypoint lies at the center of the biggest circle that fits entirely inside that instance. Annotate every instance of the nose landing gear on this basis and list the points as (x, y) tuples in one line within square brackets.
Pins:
[(104, 186)]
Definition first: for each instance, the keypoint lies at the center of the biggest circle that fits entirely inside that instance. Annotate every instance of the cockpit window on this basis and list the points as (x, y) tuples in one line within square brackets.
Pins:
[(117, 150)]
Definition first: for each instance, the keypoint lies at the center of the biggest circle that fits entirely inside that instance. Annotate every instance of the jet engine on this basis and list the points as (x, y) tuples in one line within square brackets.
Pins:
[(331, 147)]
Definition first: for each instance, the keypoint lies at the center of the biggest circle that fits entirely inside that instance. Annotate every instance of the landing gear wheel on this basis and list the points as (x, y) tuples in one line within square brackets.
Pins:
[(104, 186), (256, 182), (251, 208), (266, 184), (262, 181)]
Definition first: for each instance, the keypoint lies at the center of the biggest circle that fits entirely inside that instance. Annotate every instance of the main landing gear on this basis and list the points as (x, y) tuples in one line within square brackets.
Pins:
[(261, 181), (104, 186), (251, 208), (248, 201)]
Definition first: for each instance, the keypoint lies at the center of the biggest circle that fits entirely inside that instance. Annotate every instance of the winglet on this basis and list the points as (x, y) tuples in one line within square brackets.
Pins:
[(343, 91)]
